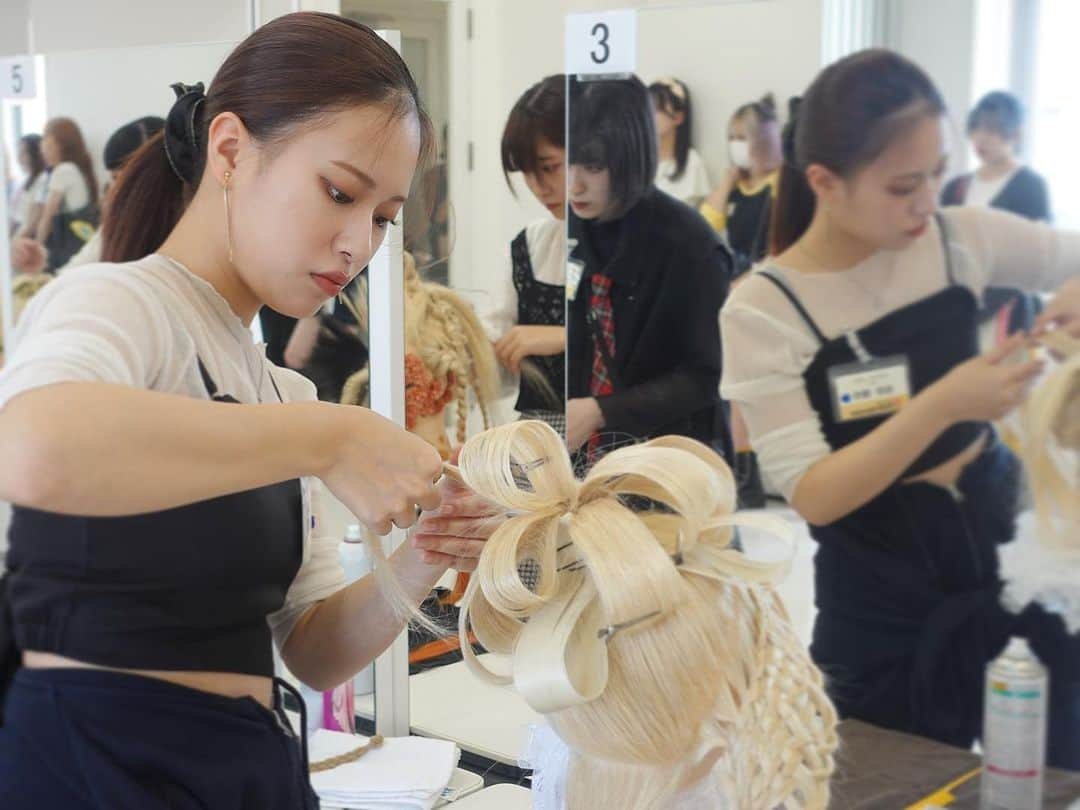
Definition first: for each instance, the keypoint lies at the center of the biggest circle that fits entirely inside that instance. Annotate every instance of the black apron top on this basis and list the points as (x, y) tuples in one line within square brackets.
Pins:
[(934, 334), (539, 304), (903, 614), (181, 589)]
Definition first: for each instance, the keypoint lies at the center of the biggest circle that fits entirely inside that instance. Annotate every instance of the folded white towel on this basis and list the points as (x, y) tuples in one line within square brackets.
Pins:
[(404, 773)]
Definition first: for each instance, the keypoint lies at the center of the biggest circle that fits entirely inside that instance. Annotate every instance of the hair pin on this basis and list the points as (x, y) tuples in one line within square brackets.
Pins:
[(606, 633), (529, 466)]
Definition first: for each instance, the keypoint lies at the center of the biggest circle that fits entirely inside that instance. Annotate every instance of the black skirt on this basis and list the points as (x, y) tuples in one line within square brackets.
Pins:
[(82, 739)]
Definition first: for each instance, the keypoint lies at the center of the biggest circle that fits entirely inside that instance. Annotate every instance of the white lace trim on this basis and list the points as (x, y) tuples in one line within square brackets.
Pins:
[(549, 758), (1033, 572)]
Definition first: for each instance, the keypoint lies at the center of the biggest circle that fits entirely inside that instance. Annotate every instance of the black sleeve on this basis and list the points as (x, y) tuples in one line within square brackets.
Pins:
[(1040, 199), (953, 192), (643, 409)]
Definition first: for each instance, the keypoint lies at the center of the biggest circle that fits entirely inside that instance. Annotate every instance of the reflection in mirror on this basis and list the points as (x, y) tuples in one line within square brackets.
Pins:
[(648, 278), (856, 333)]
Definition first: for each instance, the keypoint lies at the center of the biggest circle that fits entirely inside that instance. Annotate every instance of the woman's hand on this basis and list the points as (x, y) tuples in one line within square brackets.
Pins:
[(583, 419), (378, 470), (988, 387), (302, 342), (529, 341), (454, 535), (1063, 311), (28, 255)]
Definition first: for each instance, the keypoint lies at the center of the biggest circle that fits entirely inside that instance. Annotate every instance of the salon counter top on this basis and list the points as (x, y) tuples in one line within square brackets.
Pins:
[(497, 797), (452, 704), (876, 768)]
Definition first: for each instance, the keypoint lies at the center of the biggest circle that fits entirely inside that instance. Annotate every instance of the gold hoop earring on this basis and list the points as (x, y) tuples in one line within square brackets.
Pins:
[(228, 217)]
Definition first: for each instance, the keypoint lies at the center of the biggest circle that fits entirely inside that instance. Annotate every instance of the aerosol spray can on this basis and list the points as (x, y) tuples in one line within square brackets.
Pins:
[(1014, 730)]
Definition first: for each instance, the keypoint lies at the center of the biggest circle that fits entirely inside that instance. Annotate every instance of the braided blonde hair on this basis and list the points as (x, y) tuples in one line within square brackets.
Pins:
[(1051, 444), (442, 329), (707, 673)]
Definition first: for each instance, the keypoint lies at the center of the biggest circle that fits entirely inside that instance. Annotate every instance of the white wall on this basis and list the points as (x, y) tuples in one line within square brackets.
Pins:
[(939, 35), (14, 16), (62, 25)]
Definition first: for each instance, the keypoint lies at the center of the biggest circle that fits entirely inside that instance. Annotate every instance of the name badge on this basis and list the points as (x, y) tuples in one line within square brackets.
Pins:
[(878, 387), (574, 269)]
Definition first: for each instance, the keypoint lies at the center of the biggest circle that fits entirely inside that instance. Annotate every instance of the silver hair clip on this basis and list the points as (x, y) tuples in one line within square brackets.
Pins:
[(529, 466), (607, 632)]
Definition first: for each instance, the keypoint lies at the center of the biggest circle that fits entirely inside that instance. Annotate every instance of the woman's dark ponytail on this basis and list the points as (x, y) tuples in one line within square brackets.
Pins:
[(290, 72), (793, 207), (144, 205)]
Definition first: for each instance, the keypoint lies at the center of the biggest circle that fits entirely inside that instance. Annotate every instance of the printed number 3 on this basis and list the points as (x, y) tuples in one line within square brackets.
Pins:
[(601, 31)]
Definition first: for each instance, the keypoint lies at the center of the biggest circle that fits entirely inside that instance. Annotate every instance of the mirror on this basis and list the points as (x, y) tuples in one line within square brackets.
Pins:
[(696, 107)]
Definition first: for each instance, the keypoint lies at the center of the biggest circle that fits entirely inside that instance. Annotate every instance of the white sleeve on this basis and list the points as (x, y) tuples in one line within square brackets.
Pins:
[(321, 574), (66, 180), (1003, 249), (501, 314), (90, 253), (764, 358), (99, 325)]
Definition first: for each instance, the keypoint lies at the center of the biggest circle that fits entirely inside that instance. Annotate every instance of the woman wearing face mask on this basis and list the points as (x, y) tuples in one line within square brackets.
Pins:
[(853, 356), (680, 171), (1001, 181), (739, 207), (646, 281), (528, 314), (168, 526)]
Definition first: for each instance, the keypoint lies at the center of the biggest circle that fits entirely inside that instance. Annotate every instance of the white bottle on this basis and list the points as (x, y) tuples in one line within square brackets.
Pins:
[(1014, 730), (357, 564)]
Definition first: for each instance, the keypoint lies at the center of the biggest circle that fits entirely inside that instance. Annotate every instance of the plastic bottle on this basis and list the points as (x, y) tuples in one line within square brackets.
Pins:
[(357, 564)]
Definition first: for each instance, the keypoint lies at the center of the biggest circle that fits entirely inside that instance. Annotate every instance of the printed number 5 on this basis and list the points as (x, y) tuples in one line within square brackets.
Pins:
[(601, 31)]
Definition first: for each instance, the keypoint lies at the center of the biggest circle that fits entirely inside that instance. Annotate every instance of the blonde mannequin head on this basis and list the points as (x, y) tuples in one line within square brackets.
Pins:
[(671, 655), (443, 333), (1051, 422)]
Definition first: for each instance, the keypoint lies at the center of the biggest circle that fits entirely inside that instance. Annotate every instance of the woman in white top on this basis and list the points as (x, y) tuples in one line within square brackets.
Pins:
[(71, 198), (528, 313), (1001, 181), (853, 356), (680, 171), (167, 477), (26, 202)]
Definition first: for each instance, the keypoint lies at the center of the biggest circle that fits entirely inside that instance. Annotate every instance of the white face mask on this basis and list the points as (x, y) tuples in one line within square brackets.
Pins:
[(740, 153)]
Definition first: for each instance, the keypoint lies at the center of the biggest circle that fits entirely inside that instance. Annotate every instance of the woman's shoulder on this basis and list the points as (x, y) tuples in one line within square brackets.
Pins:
[(144, 278), (1027, 178), (544, 230), (293, 386), (678, 224)]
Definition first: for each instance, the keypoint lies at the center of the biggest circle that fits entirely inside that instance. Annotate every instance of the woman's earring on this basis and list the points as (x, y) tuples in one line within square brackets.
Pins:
[(228, 217)]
